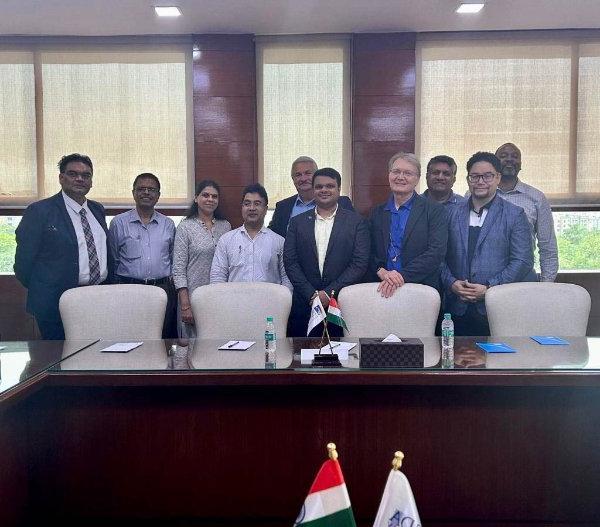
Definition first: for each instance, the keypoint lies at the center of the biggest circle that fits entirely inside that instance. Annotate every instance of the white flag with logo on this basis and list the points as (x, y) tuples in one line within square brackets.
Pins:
[(317, 314), (397, 507)]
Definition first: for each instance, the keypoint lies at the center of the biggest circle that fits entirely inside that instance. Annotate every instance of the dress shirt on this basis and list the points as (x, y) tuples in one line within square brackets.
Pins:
[(142, 251), (194, 250), (240, 258), (397, 226), (539, 214), (476, 220), (98, 233), (323, 227), (301, 206), (454, 199)]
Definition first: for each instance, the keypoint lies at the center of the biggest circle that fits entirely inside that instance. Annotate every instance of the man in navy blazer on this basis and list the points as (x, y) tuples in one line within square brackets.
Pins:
[(303, 169), (489, 243), (408, 231), (53, 254), (325, 250)]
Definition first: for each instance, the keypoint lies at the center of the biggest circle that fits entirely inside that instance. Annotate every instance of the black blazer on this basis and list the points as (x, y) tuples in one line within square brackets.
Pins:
[(424, 244), (346, 260), (47, 257), (283, 210)]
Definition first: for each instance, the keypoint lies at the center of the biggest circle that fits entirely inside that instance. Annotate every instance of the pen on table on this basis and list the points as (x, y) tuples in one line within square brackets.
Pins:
[(334, 344), (233, 344)]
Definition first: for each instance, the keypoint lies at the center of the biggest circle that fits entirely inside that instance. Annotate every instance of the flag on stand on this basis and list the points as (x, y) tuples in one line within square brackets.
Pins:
[(334, 314), (317, 314), (397, 507), (327, 503)]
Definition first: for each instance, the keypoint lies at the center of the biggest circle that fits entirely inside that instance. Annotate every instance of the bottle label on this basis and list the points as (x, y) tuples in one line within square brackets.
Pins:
[(269, 336)]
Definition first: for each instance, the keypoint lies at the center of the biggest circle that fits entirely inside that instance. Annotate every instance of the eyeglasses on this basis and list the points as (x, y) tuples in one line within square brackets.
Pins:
[(73, 174), (149, 190), (487, 177), (407, 173)]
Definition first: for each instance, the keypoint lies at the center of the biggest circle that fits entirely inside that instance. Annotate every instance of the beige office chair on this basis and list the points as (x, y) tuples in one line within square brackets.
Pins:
[(121, 311), (538, 308), (239, 310), (412, 311)]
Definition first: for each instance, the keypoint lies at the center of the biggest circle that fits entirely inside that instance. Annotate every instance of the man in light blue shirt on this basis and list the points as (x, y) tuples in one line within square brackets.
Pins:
[(141, 242), (252, 252)]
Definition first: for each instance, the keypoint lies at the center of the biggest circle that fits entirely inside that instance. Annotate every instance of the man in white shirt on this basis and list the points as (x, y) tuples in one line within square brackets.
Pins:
[(252, 252), (61, 244)]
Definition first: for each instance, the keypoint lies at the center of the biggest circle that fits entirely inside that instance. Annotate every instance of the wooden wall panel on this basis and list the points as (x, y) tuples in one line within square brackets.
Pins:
[(383, 105), (15, 322), (224, 73)]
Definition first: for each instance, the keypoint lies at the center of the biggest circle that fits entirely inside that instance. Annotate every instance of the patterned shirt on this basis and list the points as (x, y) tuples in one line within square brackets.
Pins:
[(193, 253), (539, 214), (239, 258), (142, 251)]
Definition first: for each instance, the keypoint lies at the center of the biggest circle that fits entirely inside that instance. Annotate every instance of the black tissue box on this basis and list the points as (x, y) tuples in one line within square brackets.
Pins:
[(374, 353)]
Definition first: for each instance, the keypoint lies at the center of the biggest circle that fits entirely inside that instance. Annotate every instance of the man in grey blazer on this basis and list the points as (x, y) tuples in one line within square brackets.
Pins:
[(489, 243)]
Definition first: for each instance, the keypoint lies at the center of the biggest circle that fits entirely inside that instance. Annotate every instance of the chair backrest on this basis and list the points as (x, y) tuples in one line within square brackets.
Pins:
[(412, 311), (120, 311), (538, 308), (239, 310)]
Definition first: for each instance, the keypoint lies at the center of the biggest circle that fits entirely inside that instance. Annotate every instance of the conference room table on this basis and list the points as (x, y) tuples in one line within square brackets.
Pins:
[(182, 433)]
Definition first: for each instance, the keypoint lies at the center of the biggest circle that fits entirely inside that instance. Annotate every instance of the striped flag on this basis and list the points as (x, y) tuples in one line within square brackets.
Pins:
[(334, 314), (327, 503)]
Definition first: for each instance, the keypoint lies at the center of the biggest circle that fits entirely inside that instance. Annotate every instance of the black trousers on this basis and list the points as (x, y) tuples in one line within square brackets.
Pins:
[(471, 324), (51, 329)]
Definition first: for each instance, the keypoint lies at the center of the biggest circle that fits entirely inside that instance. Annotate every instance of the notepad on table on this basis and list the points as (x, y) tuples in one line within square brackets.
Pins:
[(237, 345), (122, 347), (496, 347), (550, 341)]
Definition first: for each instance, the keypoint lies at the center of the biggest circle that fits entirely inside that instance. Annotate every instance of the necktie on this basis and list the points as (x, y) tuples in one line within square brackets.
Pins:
[(91, 247)]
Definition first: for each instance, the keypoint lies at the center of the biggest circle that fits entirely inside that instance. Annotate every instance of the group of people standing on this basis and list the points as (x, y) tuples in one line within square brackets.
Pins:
[(316, 243)]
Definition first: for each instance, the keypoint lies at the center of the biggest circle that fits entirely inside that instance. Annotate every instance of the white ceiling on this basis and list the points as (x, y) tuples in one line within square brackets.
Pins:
[(276, 17)]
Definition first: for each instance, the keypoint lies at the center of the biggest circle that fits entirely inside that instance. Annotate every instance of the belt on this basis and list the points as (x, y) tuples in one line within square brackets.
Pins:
[(147, 281)]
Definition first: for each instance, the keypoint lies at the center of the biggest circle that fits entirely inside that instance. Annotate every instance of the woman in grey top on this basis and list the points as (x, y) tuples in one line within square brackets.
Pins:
[(195, 241)]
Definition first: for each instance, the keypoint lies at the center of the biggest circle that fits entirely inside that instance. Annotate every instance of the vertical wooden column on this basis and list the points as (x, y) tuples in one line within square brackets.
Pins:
[(383, 110), (224, 71)]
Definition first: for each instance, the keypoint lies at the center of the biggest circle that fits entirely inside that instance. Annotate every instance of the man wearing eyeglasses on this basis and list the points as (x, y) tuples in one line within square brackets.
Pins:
[(408, 232), (489, 243), (141, 243), (61, 244)]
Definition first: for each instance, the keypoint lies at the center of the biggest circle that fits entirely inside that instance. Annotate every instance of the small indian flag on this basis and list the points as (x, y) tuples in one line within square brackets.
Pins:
[(334, 314), (327, 503)]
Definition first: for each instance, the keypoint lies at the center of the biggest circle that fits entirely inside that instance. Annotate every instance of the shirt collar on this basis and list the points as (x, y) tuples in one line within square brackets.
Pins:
[(407, 205), (135, 216), (305, 203), (519, 187), (263, 229), (319, 217), (486, 206), (73, 205), (451, 198)]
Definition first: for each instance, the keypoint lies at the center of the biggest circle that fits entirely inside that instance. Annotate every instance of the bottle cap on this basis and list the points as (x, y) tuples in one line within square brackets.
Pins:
[(447, 316), (270, 319)]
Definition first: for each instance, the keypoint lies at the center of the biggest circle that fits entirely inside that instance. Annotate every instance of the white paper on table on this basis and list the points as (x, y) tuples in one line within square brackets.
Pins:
[(2, 347), (237, 345), (341, 349), (392, 338), (122, 347)]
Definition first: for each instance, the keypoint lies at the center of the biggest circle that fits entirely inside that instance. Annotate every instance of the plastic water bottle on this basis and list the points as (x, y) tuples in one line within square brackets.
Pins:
[(270, 345), (447, 341)]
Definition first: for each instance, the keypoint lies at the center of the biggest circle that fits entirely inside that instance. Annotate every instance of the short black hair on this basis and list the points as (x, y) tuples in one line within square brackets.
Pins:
[(256, 188), (146, 175), (442, 159), (487, 157), (65, 160), (328, 172)]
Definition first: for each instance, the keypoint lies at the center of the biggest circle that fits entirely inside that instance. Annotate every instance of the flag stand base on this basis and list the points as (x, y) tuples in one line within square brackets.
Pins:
[(329, 360)]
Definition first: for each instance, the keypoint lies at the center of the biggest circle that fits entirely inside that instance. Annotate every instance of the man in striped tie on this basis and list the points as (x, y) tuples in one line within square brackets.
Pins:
[(61, 244)]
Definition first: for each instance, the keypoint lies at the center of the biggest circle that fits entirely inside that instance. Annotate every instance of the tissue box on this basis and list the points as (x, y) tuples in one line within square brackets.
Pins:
[(377, 354)]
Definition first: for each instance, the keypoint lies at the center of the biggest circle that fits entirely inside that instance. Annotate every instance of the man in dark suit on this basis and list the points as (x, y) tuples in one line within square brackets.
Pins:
[(408, 232), (61, 244), (303, 169), (325, 250), (489, 244)]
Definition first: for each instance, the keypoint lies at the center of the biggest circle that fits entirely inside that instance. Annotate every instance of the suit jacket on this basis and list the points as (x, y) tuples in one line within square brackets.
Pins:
[(503, 254), (423, 245), (47, 257), (346, 260), (283, 210)]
